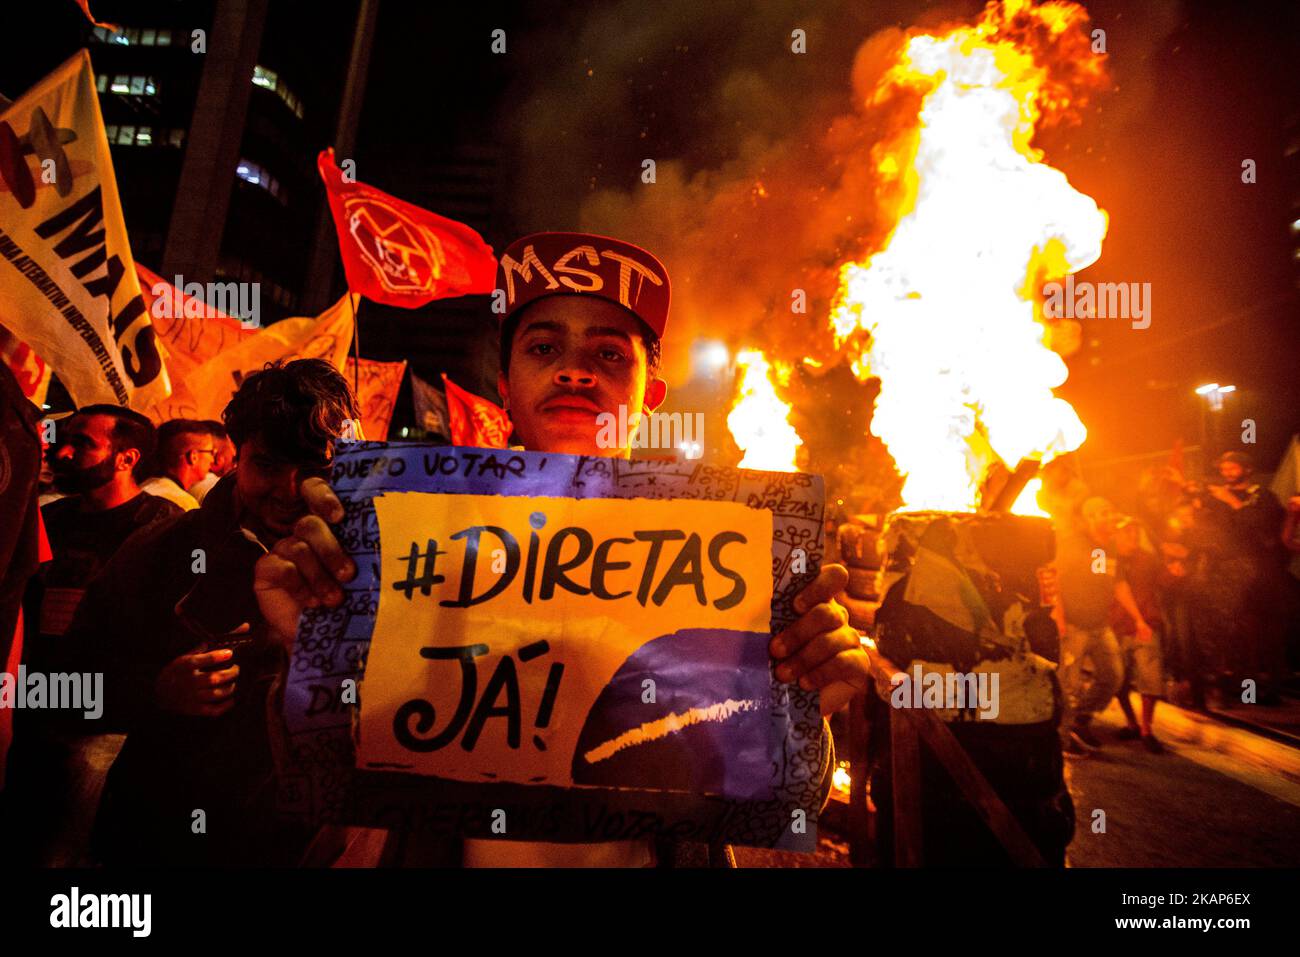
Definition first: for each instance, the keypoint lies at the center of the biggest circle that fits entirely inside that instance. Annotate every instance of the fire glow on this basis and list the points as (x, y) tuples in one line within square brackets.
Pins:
[(759, 421), (947, 312)]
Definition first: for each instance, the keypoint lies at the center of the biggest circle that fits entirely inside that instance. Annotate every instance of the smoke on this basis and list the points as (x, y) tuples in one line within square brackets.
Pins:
[(764, 182), (761, 181)]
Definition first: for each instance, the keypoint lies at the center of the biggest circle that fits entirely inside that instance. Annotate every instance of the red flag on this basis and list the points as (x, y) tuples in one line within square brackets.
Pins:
[(474, 421), (400, 254), (85, 8)]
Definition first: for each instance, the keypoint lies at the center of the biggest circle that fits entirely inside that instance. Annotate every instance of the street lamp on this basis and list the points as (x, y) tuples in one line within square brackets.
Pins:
[(710, 356), (1214, 393)]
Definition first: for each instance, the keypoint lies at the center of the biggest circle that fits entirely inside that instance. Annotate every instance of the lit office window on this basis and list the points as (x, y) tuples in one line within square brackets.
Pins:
[(133, 36), (270, 80), (111, 132), (125, 135), (258, 175), (134, 85), (264, 78), (144, 136), (249, 172), (176, 137), (101, 82)]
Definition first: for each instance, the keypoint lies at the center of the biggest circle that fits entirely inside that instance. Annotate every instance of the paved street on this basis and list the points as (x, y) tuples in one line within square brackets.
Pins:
[(1233, 804)]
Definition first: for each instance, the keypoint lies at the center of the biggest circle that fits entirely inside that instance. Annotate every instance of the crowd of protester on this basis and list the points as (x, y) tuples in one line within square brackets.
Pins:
[(119, 594), (182, 592), (1187, 600)]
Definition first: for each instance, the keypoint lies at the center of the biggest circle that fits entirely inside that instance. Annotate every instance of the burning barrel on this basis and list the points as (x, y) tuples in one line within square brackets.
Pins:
[(963, 622)]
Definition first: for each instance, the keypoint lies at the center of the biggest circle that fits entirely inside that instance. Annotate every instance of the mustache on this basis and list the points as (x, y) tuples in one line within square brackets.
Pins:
[(582, 396)]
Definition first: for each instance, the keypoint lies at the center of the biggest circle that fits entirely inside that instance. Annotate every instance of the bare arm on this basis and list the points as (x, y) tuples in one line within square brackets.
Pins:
[(1124, 595)]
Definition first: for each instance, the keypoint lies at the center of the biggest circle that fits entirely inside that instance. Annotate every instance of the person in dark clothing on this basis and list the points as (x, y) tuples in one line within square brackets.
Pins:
[(1143, 662), (1250, 518), (96, 458), (173, 623), (20, 534), (1091, 582)]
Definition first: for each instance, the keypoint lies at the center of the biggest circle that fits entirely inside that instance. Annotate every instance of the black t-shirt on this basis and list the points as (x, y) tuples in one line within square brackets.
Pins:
[(1253, 531), (1087, 574), (82, 543)]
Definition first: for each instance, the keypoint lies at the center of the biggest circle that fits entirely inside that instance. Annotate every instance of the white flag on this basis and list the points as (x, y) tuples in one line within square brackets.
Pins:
[(68, 284)]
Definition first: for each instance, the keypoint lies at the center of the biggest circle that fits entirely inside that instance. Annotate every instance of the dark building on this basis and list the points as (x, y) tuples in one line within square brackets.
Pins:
[(150, 75), (179, 107)]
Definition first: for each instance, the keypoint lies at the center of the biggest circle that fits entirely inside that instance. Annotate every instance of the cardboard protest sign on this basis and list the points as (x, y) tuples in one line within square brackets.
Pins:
[(576, 645)]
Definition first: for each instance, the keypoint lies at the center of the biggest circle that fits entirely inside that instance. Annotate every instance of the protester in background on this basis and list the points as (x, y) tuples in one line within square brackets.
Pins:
[(48, 492), (22, 541), (1291, 526), (222, 462), (96, 458), (1254, 561), (1144, 574), (1291, 604), (1090, 581), (182, 644), (186, 449)]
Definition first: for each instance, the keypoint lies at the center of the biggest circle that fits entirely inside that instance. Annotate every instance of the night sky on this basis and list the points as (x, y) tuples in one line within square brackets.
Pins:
[(586, 91), (1197, 88)]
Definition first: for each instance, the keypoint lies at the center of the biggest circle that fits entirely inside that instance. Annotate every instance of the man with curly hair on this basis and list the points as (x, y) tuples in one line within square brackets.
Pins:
[(173, 623)]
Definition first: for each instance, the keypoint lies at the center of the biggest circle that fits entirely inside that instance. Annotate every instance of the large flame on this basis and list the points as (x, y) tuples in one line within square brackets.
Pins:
[(759, 421), (944, 313)]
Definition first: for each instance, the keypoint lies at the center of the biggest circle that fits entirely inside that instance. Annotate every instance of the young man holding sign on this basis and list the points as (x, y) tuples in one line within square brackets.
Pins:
[(580, 336)]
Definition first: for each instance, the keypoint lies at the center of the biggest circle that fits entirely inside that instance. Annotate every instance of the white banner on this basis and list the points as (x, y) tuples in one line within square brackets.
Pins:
[(68, 284)]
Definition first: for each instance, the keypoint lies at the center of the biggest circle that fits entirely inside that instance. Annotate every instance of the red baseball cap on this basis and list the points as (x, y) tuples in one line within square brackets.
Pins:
[(583, 264)]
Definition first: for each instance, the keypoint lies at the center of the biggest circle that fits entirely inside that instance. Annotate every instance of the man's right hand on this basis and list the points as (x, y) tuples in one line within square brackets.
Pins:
[(190, 685), (305, 569)]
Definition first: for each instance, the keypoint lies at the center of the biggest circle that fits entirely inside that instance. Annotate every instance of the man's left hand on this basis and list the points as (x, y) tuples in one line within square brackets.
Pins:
[(305, 569), (821, 650), (1143, 633)]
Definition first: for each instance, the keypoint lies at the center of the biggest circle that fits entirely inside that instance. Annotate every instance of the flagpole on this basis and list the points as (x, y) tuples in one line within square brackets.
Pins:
[(356, 345)]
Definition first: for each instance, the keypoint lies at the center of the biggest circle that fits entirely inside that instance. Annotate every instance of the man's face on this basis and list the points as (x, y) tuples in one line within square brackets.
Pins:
[(224, 460), (572, 358), (200, 449), (1231, 472), (266, 486), (84, 458)]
